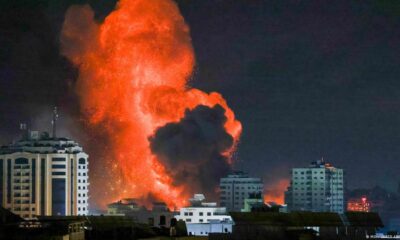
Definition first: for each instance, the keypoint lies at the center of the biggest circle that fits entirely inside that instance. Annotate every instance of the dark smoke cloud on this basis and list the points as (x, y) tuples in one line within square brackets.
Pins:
[(192, 148)]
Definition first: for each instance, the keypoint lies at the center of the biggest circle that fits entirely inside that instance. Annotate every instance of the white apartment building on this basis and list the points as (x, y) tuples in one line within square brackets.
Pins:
[(318, 188), (202, 218), (237, 187), (40, 175)]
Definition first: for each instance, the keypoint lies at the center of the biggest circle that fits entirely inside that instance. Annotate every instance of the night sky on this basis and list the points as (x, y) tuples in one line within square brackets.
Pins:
[(307, 79)]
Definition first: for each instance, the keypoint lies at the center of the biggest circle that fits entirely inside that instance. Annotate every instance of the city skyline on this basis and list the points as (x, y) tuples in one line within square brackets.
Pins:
[(304, 80), (199, 119)]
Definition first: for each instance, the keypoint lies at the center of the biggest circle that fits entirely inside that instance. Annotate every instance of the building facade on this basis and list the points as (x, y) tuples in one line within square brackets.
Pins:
[(158, 216), (202, 218), (237, 187), (317, 188), (44, 176)]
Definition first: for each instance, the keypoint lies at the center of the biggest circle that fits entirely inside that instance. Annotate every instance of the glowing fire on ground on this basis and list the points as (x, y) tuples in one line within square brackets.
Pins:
[(133, 74)]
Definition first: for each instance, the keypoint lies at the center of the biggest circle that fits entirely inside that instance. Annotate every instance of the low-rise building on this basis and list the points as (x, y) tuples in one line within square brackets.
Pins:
[(305, 225), (214, 226), (14, 227), (158, 216), (251, 203), (123, 207), (203, 218)]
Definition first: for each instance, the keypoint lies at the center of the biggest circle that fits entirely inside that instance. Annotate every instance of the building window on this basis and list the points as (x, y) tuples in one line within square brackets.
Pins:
[(58, 159), (163, 220), (209, 214), (58, 197), (21, 161), (200, 213), (58, 166)]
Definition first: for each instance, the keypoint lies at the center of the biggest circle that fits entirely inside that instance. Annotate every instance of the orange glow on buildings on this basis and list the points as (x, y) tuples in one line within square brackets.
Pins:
[(359, 205), (134, 70)]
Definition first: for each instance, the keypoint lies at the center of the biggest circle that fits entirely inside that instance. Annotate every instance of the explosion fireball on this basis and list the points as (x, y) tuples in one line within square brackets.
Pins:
[(134, 68)]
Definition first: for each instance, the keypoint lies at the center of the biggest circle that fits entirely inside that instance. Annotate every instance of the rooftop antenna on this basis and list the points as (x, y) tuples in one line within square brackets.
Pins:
[(54, 122)]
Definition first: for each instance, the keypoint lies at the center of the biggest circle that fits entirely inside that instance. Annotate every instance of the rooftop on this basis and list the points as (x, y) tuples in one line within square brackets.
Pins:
[(198, 201), (41, 143), (296, 219), (320, 164)]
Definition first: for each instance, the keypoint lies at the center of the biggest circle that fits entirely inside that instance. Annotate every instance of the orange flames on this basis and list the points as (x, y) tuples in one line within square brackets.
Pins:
[(276, 192), (133, 74)]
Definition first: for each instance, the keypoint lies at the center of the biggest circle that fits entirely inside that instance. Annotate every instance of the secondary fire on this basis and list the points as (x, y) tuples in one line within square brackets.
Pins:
[(359, 204), (134, 69), (276, 191)]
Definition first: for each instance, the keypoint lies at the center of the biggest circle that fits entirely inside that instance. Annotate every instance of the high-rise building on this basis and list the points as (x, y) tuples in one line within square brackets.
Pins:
[(237, 187), (42, 175), (318, 188)]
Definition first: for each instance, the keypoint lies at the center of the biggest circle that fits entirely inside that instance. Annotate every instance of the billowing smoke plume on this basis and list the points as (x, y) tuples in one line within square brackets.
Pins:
[(192, 150), (133, 74)]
